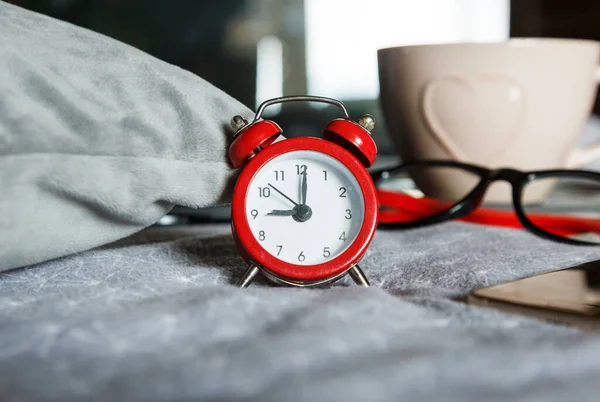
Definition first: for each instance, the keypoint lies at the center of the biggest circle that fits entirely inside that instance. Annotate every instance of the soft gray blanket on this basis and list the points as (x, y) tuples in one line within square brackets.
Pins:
[(153, 317), (97, 139)]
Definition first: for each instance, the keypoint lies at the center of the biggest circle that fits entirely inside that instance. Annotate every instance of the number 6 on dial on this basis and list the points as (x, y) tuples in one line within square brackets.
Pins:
[(304, 209)]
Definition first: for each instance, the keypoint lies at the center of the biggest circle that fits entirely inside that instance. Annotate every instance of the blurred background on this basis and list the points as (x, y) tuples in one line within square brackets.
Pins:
[(259, 49)]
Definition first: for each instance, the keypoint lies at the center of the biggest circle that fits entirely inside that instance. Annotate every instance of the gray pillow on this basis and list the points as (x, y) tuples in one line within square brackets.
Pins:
[(97, 139)]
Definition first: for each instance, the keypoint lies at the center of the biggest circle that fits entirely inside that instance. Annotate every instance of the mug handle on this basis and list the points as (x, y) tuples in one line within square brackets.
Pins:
[(582, 156)]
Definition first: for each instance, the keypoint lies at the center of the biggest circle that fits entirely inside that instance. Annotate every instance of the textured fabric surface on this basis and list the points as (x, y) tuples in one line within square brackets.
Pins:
[(154, 317), (97, 139)]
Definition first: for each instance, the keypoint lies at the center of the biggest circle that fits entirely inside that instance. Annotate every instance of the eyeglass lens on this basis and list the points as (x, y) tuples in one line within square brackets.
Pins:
[(565, 206), (424, 191)]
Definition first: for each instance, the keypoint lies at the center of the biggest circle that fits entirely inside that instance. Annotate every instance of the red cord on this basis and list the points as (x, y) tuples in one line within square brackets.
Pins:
[(398, 207)]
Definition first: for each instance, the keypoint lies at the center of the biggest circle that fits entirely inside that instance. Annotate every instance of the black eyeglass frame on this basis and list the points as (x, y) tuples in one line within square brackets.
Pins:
[(516, 178)]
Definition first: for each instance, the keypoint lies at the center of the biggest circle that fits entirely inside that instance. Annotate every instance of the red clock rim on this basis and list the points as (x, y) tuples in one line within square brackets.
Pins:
[(256, 253)]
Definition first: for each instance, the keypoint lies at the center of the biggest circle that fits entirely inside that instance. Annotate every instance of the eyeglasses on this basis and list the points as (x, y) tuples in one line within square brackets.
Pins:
[(560, 205)]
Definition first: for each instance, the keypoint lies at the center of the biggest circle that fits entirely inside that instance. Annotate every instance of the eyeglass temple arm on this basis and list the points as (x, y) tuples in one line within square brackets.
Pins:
[(404, 207)]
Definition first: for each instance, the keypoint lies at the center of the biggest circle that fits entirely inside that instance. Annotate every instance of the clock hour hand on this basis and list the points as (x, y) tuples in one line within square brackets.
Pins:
[(300, 213), (279, 212)]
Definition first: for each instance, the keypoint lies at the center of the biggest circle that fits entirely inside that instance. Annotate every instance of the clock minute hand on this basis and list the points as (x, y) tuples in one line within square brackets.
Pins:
[(303, 195), (288, 198)]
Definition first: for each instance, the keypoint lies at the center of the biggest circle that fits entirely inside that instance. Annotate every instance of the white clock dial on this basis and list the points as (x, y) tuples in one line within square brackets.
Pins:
[(311, 231)]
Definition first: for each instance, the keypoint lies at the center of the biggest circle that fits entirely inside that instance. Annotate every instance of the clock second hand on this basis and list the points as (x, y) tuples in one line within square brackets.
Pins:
[(288, 198)]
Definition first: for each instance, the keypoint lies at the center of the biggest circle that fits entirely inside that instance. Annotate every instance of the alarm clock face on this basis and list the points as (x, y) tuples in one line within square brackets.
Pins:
[(304, 207)]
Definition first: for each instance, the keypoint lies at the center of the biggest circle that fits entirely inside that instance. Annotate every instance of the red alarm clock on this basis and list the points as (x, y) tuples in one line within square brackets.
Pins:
[(304, 209)]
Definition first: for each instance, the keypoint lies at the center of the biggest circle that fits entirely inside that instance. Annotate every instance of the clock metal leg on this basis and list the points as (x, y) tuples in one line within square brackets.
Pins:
[(248, 276), (358, 276)]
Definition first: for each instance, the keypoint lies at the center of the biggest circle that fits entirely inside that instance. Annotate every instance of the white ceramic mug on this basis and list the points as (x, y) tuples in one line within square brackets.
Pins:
[(522, 103)]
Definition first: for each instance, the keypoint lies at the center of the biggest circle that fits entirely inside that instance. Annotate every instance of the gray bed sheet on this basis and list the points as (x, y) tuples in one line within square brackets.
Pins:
[(155, 317)]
